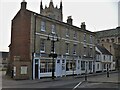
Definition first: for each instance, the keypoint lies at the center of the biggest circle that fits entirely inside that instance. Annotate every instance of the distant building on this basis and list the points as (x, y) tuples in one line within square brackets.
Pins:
[(3, 60), (110, 39), (104, 59), (30, 47)]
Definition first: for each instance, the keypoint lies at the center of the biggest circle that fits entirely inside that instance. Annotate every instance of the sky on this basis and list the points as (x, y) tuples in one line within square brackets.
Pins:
[(97, 14)]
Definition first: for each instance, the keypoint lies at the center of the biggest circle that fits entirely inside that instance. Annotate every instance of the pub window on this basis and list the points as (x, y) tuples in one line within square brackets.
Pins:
[(82, 65)]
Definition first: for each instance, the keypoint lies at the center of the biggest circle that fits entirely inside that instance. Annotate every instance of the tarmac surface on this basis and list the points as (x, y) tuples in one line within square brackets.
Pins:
[(99, 80)]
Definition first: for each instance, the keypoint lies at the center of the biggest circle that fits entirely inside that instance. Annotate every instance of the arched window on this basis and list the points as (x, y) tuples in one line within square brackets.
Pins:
[(112, 40), (107, 40)]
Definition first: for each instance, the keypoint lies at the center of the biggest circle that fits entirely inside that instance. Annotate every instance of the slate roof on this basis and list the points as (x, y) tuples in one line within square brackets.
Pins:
[(103, 50)]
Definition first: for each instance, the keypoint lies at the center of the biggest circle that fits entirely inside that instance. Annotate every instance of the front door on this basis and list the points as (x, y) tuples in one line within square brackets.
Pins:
[(36, 69)]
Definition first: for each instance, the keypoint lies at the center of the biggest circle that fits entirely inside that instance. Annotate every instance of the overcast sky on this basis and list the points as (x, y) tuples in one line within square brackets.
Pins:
[(97, 14)]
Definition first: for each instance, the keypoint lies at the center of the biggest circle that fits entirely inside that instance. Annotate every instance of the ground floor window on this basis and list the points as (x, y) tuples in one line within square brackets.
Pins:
[(70, 64), (90, 65), (82, 65), (45, 66)]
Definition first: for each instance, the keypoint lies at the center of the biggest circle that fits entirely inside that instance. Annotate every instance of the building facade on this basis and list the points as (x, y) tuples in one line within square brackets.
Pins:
[(110, 39), (3, 60), (30, 48), (104, 60)]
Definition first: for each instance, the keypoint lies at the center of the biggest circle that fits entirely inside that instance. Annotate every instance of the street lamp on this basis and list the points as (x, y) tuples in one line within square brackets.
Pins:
[(54, 38)]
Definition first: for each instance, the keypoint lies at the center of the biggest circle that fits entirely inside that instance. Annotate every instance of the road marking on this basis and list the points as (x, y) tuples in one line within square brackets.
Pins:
[(77, 85)]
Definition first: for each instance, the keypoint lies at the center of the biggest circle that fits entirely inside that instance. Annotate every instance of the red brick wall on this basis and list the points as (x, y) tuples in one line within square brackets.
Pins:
[(20, 36)]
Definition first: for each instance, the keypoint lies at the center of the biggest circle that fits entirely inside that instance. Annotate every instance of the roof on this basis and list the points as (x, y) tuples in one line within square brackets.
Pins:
[(107, 33), (103, 50), (61, 22), (97, 52)]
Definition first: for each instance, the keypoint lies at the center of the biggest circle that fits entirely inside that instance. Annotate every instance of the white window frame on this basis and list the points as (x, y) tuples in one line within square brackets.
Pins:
[(91, 39), (42, 51), (75, 35), (67, 32), (74, 48), (67, 48), (43, 26), (53, 28), (84, 37)]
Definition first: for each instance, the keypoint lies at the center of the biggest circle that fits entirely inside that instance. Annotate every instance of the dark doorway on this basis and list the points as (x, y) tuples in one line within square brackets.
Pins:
[(36, 69)]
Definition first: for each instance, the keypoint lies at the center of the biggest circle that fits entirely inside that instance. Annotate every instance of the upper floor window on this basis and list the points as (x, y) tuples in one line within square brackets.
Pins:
[(85, 51), (112, 40), (53, 28), (102, 40), (53, 47), (91, 52), (74, 48), (91, 39), (42, 26), (67, 32), (42, 45), (84, 37), (67, 48), (107, 40), (75, 35)]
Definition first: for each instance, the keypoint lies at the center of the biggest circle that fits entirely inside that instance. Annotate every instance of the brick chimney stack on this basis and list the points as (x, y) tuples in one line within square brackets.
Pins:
[(83, 26), (23, 4), (69, 20)]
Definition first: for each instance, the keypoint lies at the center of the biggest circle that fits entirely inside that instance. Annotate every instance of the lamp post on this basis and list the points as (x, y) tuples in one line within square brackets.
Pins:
[(53, 37)]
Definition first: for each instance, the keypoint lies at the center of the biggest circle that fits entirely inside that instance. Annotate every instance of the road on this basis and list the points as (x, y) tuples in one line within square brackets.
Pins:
[(98, 81)]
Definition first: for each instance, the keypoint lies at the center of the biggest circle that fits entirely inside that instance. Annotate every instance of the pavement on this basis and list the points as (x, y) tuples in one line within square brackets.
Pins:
[(7, 82)]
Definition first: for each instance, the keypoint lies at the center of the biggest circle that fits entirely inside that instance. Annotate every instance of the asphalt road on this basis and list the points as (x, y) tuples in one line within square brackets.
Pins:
[(98, 81)]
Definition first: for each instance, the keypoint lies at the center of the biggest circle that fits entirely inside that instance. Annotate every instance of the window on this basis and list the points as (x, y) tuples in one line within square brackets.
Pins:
[(107, 40), (68, 65), (102, 40), (84, 37), (67, 48), (74, 48), (67, 32), (82, 65), (91, 52), (104, 66), (42, 26), (42, 45), (91, 41), (104, 57), (90, 65), (23, 70), (112, 40), (52, 48), (45, 66), (75, 35), (97, 66), (85, 52), (53, 28)]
